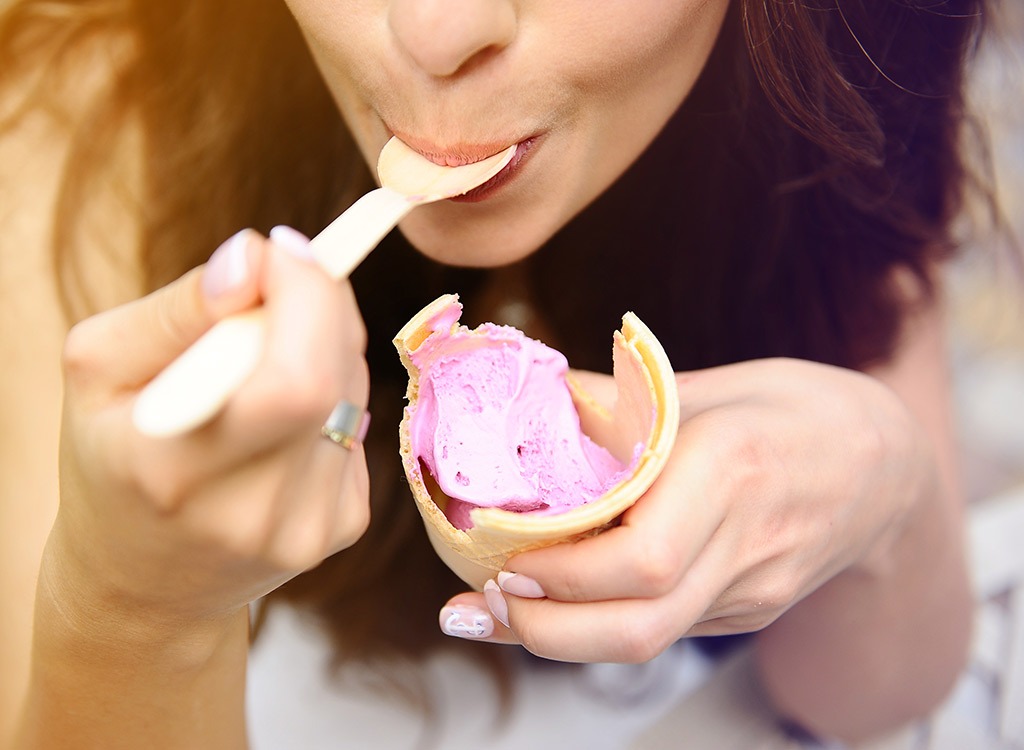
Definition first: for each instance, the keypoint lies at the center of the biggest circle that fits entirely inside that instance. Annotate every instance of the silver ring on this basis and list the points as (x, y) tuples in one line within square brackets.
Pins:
[(347, 425)]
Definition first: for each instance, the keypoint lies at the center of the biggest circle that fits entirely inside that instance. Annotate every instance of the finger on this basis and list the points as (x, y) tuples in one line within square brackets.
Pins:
[(624, 631), (312, 359), (468, 616), (701, 390), (313, 354), (323, 506), (621, 630), (143, 336), (598, 386)]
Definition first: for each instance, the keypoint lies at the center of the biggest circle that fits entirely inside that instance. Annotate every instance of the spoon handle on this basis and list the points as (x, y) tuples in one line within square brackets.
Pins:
[(194, 387), (345, 242)]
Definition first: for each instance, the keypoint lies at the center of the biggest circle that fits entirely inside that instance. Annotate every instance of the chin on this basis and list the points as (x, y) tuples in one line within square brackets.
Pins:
[(475, 243)]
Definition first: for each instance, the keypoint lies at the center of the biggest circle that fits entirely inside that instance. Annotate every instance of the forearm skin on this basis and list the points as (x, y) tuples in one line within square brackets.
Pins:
[(110, 678), (874, 649)]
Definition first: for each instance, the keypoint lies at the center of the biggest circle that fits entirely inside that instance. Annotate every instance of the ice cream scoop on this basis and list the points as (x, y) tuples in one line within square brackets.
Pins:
[(495, 426), (596, 463), (195, 386)]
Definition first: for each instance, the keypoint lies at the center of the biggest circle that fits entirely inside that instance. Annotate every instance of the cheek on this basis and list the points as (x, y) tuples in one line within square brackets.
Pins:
[(626, 43)]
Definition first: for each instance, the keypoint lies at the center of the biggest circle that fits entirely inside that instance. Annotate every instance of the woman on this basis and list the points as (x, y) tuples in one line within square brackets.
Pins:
[(771, 186)]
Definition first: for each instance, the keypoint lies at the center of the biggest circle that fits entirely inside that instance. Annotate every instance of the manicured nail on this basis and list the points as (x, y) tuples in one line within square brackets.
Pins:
[(466, 621), (496, 602), (292, 241), (228, 267), (519, 585)]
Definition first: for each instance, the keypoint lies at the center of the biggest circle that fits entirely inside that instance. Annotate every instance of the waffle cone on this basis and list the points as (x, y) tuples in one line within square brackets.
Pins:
[(646, 411)]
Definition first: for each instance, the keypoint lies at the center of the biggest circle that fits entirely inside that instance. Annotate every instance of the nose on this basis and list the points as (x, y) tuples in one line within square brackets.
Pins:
[(442, 36)]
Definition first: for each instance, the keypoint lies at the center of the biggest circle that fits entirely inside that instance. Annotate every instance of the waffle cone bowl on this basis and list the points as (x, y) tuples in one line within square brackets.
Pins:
[(646, 413)]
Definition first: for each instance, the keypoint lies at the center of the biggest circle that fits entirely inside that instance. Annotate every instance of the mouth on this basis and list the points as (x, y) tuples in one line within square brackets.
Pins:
[(506, 175), (467, 154)]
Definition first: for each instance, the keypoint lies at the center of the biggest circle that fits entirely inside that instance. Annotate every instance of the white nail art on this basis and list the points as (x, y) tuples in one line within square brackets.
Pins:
[(463, 621)]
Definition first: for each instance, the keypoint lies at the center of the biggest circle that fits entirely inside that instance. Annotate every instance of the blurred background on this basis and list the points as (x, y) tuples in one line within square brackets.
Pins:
[(987, 349), (988, 285)]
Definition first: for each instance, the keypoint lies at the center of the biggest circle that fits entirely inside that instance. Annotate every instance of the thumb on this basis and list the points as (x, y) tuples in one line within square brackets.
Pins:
[(596, 385), (134, 342)]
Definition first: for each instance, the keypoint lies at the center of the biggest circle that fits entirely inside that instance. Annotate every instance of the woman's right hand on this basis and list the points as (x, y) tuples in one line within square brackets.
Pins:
[(193, 527)]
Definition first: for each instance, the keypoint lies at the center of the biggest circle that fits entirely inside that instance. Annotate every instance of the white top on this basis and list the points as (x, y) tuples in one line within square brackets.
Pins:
[(293, 702)]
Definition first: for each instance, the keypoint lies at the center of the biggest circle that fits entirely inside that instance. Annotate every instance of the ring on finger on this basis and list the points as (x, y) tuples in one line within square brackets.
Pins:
[(346, 425)]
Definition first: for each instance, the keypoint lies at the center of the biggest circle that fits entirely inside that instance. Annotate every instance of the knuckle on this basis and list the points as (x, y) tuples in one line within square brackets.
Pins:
[(776, 595), (294, 555), (738, 446), (573, 585), (749, 461), (165, 486), (304, 543), (761, 619), (735, 624), (642, 640), (78, 353), (765, 618), (247, 536), (359, 336), (658, 567), (302, 393), (355, 325), (174, 313), (874, 445), (354, 523), (748, 466), (531, 637)]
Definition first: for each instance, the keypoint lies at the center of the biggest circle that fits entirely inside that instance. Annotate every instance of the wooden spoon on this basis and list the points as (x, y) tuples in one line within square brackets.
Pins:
[(194, 387)]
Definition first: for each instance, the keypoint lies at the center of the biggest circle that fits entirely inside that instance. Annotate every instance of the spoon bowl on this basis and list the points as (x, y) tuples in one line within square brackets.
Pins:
[(417, 178)]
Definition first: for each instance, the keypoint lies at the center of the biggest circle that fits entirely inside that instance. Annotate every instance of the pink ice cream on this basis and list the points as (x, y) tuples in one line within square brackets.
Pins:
[(495, 425)]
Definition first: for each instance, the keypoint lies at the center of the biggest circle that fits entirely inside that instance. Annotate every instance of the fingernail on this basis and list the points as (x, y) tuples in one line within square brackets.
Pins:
[(466, 621), (496, 602), (519, 585), (292, 241), (228, 267)]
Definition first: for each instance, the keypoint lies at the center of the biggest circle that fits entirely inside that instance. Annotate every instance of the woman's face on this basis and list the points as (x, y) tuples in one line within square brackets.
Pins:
[(582, 86)]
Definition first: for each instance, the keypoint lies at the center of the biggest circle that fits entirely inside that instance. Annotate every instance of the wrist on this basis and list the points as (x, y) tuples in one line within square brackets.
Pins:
[(80, 609), (901, 463), (913, 484), (108, 674)]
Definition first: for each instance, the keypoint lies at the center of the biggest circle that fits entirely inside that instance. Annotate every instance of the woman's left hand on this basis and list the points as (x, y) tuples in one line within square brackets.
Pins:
[(785, 474)]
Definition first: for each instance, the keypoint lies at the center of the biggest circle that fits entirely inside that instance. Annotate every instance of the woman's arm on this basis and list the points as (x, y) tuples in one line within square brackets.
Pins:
[(160, 544), (105, 675), (883, 642), (140, 585)]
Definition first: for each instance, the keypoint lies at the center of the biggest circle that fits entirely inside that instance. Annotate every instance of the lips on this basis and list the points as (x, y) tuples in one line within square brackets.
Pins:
[(466, 153), (508, 173), (455, 155)]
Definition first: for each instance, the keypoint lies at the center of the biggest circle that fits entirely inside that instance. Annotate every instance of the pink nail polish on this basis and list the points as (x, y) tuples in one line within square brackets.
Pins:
[(519, 585), (228, 267), (496, 602), (466, 621), (292, 241)]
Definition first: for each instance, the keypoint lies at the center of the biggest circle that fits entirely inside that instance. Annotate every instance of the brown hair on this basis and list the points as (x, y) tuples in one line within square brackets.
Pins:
[(238, 127), (820, 149)]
